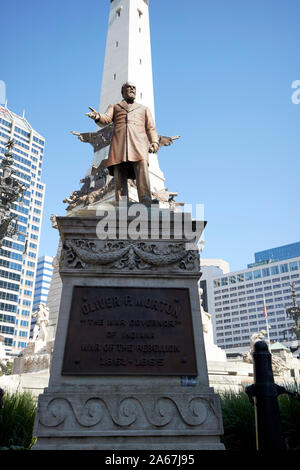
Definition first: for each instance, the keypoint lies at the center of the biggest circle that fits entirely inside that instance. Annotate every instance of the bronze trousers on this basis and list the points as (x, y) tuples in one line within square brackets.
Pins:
[(122, 172)]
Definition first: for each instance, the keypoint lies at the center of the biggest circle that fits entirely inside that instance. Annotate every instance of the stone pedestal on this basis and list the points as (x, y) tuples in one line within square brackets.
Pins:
[(129, 369)]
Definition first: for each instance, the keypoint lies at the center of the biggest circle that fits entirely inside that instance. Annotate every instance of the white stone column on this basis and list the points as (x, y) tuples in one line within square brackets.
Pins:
[(128, 58)]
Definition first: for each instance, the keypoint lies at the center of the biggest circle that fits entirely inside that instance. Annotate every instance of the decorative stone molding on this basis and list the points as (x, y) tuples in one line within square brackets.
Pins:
[(34, 358), (36, 363), (140, 412), (129, 255)]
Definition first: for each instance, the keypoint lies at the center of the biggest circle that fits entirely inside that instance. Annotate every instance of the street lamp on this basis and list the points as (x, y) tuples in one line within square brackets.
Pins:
[(10, 190)]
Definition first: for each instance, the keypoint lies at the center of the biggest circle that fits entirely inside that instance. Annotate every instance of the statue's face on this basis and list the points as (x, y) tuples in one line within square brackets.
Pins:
[(129, 91)]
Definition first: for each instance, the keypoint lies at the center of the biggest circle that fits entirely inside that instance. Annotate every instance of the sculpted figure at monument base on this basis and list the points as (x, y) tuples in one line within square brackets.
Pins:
[(38, 352)]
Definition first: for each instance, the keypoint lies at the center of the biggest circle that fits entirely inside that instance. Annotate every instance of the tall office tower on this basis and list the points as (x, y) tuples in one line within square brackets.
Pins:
[(210, 269), (128, 58), (42, 285), (240, 297), (43, 280), (18, 257)]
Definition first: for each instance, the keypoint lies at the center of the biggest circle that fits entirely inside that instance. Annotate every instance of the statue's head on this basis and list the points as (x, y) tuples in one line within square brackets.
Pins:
[(128, 91)]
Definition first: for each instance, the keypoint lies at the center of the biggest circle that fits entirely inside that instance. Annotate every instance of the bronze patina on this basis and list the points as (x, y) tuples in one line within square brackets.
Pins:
[(130, 331)]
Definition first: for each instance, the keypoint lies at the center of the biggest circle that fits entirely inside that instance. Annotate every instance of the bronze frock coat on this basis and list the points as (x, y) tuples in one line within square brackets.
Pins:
[(134, 128)]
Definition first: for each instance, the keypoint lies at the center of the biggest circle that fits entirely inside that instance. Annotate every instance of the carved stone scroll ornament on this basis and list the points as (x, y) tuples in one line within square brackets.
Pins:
[(148, 411), (130, 255)]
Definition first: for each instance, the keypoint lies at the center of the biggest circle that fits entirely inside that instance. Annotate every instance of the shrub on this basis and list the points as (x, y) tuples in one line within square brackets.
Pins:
[(16, 420), (290, 417), (239, 420)]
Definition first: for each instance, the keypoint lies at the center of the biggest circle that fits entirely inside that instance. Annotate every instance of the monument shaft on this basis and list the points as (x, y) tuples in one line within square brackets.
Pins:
[(128, 58)]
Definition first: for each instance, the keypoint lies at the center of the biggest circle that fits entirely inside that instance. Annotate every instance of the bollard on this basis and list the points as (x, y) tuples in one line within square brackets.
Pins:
[(263, 393)]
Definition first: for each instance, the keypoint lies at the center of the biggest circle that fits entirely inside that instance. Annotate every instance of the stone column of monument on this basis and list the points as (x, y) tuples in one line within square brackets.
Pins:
[(128, 58)]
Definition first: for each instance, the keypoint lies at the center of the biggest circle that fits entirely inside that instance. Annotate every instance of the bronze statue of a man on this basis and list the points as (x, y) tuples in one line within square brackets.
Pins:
[(134, 129)]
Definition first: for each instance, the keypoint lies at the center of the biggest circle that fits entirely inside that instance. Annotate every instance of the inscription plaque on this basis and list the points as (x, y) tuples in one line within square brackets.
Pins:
[(129, 331)]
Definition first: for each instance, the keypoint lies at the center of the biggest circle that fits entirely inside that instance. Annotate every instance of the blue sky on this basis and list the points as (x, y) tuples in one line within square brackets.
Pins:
[(222, 74)]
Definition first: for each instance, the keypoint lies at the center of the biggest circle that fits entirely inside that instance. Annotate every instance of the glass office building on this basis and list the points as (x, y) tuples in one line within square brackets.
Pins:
[(43, 280), (239, 298), (18, 257), (278, 254), (42, 285)]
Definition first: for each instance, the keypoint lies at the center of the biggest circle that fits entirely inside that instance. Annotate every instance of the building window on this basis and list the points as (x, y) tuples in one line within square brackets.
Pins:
[(284, 268), (293, 266), (265, 272), (115, 76), (248, 276), (274, 270), (257, 274)]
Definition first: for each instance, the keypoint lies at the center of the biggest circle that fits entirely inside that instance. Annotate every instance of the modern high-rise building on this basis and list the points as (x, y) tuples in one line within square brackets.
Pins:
[(240, 297), (18, 257), (42, 285), (43, 280), (210, 269), (279, 253)]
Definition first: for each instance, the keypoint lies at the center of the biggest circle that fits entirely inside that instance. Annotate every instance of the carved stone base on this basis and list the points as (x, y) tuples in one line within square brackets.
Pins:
[(129, 369), (128, 417), (36, 357)]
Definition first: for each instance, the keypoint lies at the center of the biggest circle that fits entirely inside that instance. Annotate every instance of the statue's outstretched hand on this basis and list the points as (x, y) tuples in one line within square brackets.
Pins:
[(80, 137), (93, 114)]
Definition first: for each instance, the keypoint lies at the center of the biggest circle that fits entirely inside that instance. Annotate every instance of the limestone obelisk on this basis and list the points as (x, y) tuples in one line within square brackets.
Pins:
[(128, 58)]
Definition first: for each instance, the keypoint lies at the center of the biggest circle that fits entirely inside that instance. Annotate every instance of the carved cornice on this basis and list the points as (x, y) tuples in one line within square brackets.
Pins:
[(129, 255)]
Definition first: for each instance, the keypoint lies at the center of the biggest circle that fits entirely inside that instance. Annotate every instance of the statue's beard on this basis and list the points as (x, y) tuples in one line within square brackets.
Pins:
[(130, 97)]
